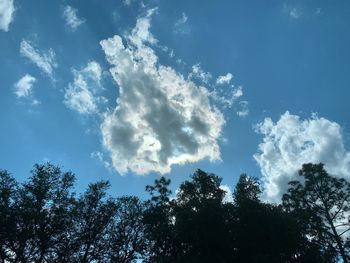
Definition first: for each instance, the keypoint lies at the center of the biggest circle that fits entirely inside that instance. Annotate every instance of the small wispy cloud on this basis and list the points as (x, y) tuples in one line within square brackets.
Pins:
[(182, 20), (140, 33), (71, 17), (82, 94), (199, 73), (45, 60), (300, 11), (99, 156), (7, 10), (243, 110), (224, 79), (128, 2), (181, 26), (23, 87), (226, 97), (237, 92), (294, 12)]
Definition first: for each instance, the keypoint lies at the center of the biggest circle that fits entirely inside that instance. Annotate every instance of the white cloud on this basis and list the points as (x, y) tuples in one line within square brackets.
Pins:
[(23, 87), (243, 108), (7, 10), (199, 73), (45, 60), (183, 19), (36, 102), (291, 142), (100, 158), (179, 61), (227, 97), (295, 13), (71, 17), (292, 11), (81, 95), (161, 118), (128, 2), (180, 26), (238, 92), (224, 79), (140, 34)]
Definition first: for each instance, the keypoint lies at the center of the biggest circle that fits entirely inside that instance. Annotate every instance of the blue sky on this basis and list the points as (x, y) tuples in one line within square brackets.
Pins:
[(127, 90)]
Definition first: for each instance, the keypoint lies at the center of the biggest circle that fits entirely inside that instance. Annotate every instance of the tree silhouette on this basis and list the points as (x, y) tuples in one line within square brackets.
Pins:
[(37, 215), (264, 232), (125, 234), (8, 187), (247, 190), (203, 220), (159, 228), (44, 220), (321, 204), (93, 215)]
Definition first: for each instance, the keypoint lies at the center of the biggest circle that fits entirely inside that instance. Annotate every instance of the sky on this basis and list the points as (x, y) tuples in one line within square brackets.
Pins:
[(130, 90)]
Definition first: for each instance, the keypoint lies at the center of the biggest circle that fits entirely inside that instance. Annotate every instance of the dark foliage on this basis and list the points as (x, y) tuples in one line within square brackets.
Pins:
[(320, 203), (44, 220)]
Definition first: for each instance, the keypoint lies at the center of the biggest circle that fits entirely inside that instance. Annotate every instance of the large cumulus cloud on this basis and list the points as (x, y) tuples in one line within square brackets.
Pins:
[(292, 141), (161, 118)]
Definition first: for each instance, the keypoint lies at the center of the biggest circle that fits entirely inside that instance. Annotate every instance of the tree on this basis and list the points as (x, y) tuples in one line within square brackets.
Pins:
[(42, 220), (203, 187), (202, 220), (34, 214), (321, 205), (194, 226), (126, 234), (159, 228), (93, 214), (197, 226), (265, 232), (8, 187), (247, 190)]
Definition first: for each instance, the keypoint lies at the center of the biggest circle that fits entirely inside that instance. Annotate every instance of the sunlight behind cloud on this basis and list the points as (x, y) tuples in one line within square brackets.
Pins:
[(161, 118)]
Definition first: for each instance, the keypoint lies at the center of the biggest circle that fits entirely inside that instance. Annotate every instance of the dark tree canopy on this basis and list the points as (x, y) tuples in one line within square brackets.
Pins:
[(321, 202), (202, 220), (247, 190), (159, 230), (44, 220)]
